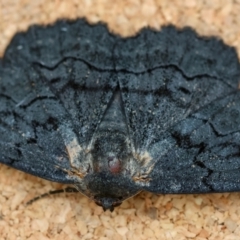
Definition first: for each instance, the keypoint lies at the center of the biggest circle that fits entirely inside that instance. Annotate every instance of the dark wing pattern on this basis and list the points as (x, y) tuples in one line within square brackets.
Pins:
[(179, 93), (206, 154), (41, 89), (29, 119), (65, 39), (183, 105)]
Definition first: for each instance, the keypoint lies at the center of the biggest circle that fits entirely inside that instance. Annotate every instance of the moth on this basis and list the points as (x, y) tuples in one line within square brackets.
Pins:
[(113, 116)]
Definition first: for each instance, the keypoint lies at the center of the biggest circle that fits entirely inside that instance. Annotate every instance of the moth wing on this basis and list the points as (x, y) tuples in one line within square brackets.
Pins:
[(49, 45), (203, 152), (28, 137), (48, 117), (157, 100), (164, 88), (52, 97), (171, 74)]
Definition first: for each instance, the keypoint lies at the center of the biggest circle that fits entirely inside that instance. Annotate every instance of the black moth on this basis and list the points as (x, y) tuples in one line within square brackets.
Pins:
[(158, 112)]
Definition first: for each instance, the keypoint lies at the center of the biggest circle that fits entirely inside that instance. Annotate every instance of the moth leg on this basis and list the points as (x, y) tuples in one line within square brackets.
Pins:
[(64, 190)]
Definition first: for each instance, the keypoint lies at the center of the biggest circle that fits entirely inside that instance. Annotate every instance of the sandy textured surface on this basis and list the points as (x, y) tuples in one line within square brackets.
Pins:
[(146, 216)]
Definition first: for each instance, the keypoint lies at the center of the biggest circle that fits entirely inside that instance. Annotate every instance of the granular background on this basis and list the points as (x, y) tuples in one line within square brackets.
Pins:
[(145, 216)]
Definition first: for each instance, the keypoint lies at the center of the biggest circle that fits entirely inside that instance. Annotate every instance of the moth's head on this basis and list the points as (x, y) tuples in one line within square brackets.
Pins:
[(109, 190), (108, 203)]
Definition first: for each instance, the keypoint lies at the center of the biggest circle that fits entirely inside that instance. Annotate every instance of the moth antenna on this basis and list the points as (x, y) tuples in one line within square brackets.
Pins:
[(52, 192)]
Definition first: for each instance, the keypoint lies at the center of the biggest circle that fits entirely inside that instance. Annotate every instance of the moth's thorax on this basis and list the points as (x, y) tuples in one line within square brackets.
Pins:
[(110, 152)]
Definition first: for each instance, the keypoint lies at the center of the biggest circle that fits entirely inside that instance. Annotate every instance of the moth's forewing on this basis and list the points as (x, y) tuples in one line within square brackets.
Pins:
[(158, 111)]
